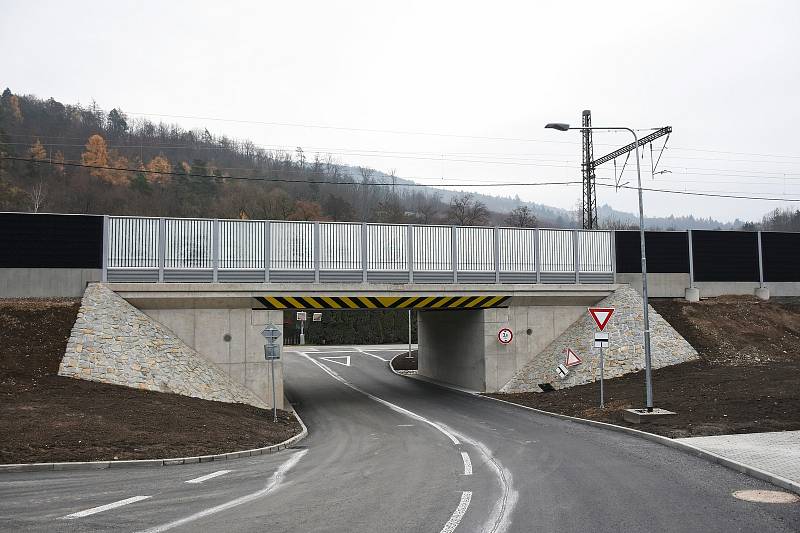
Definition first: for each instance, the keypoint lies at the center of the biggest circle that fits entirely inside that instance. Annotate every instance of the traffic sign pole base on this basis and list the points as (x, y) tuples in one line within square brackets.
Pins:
[(642, 416)]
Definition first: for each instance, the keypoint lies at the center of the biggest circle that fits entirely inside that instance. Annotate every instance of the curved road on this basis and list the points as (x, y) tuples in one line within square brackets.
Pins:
[(387, 453)]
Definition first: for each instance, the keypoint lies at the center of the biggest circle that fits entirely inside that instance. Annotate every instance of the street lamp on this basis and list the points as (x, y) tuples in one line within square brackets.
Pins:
[(560, 126)]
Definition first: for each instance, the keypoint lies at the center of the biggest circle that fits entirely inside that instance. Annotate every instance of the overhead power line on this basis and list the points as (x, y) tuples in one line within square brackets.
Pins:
[(378, 184), (284, 180)]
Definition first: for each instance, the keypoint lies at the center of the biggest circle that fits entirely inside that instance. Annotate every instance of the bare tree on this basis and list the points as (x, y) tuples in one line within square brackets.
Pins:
[(466, 211), (37, 195), (522, 217)]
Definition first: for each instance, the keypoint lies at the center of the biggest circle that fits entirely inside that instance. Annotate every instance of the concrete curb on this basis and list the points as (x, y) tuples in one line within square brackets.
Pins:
[(139, 463), (757, 473)]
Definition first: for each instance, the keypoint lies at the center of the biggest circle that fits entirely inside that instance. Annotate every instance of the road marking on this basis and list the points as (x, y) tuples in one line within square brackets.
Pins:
[(390, 405), (459, 513), (212, 475), (106, 507), (359, 350), (274, 482), (500, 518), (334, 359), (467, 464), (405, 425)]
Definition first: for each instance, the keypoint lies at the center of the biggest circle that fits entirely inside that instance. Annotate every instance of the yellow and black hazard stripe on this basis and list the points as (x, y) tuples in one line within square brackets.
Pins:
[(381, 302)]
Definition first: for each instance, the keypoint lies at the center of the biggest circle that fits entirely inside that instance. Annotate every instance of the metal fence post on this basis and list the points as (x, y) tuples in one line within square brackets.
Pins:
[(162, 248), (496, 254), (537, 258), (760, 262), (215, 250), (315, 251), (576, 256), (104, 261), (613, 241), (454, 252), (410, 255), (364, 256), (691, 260), (267, 250)]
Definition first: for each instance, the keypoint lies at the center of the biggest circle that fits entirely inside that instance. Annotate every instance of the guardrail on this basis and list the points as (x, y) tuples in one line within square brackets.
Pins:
[(138, 249)]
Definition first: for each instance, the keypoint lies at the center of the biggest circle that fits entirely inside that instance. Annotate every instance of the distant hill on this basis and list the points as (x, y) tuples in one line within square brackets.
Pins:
[(82, 159)]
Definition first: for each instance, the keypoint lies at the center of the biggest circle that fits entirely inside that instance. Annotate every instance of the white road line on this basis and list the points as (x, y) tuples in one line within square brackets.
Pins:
[(372, 355), (336, 359), (212, 475), (390, 405), (500, 518), (106, 507), (459, 513), (467, 464), (274, 482)]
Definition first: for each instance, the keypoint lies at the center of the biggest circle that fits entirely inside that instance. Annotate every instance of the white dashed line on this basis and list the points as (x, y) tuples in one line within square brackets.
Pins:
[(467, 464), (106, 507), (209, 476), (459, 513)]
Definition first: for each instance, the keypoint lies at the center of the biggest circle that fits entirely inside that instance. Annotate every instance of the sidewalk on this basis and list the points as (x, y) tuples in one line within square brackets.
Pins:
[(777, 453)]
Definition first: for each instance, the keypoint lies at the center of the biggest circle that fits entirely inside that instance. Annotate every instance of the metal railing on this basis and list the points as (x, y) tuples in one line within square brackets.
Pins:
[(169, 249)]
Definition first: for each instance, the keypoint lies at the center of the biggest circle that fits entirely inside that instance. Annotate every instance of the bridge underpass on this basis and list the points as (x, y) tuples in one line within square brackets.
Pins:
[(457, 324)]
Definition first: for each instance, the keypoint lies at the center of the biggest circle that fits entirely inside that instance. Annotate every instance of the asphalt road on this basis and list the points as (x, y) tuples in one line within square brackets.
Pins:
[(387, 453)]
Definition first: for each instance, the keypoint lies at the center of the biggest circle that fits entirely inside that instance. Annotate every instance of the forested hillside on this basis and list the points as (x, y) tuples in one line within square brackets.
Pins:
[(82, 159)]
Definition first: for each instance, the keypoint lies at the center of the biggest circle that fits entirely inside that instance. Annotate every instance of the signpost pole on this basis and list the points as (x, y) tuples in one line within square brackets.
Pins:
[(602, 368), (274, 404)]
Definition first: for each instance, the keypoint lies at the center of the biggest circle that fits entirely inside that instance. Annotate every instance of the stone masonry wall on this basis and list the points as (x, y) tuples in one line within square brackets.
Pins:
[(625, 354), (113, 342)]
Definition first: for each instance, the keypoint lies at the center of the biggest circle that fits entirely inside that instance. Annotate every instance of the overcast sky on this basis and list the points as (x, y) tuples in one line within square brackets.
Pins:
[(725, 75)]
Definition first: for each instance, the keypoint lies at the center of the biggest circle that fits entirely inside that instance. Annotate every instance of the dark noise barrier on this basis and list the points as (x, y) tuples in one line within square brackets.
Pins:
[(725, 255), (667, 251), (50, 241)]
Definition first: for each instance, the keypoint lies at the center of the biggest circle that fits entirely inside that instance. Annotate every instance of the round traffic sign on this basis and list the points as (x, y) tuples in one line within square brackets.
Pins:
[(505, 335)]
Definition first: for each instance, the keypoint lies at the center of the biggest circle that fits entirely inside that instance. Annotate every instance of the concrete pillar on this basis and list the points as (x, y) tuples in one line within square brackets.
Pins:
[(692, 294), (762, 293)]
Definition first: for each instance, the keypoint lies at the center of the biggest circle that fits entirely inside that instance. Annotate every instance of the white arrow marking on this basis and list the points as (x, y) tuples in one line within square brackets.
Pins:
[(106, 507), (212, 475), (334, 359)]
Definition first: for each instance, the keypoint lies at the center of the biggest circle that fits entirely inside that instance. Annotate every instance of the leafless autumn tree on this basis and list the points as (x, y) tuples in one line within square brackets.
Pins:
[(465, 210)]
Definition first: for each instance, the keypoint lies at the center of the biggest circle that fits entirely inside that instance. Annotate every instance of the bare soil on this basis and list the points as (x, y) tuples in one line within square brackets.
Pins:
[(404, 362), (45, 417), (747, 379)]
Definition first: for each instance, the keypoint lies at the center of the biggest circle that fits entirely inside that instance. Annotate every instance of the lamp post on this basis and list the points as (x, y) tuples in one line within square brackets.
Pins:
[(560, 126)]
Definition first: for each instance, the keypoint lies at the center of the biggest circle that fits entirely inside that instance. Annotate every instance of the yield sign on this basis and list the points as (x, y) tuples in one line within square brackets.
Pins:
[(572, 358), (601, 315), (343, 360)]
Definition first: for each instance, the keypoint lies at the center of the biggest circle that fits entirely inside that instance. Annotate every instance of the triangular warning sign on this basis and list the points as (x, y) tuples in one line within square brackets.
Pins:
[(572, 358), (601, 315)]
